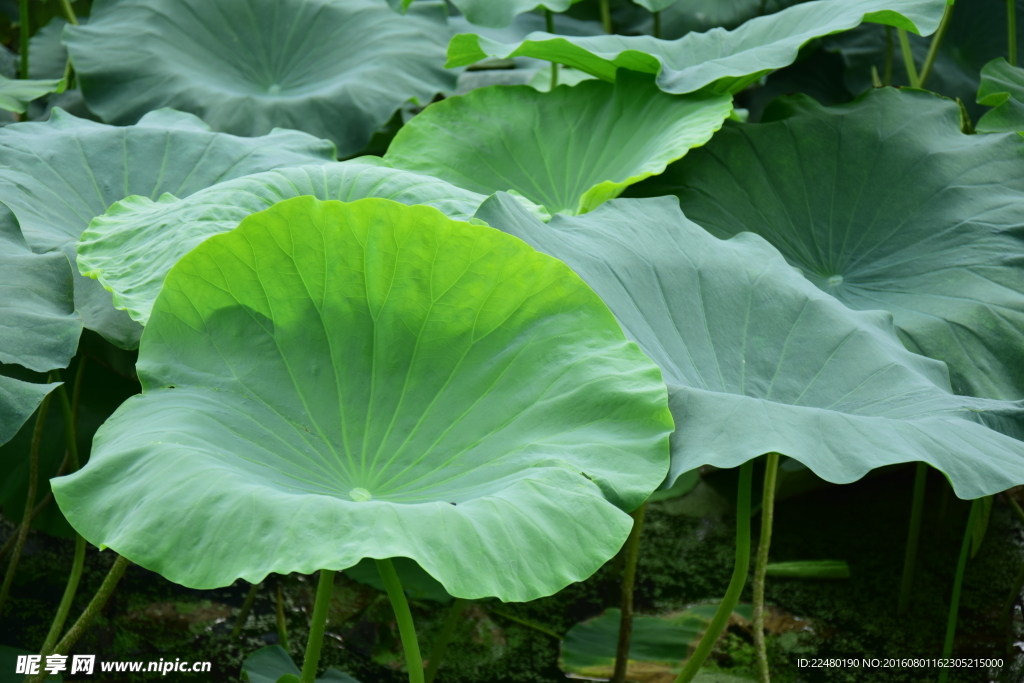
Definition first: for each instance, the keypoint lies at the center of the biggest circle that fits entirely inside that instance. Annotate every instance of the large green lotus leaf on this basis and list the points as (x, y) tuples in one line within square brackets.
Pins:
[(1002, 87), (131, 247), (269, 664), (730, 60), (337, 69), (39, 328), (333, 381), (757, 359), (659, 645), (976, 35), (567, 150), (885, 204), (58, 175), (18, 400)]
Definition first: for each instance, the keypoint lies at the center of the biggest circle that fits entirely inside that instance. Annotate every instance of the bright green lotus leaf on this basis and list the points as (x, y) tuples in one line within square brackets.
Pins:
[(15, 94), (730, 60), (131, 247), (418, 584), (270, 664), (58, 175), (568, 150), (758, 359), (39, 327), (885, 204), (337, 69), (659, 646), (18, 400), (1002, 87), (331, 381)]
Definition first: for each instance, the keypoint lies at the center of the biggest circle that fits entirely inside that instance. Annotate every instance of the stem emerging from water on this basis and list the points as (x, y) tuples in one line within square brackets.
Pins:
[(628, 579), (444, 638), (606, 16), (913, 537), (549, 19), (324, 591), (95, 605), (243, 613), (771, 474), (933, 49), (908, 59), (406, 629), (282, 624), (739, 578), (958, 581), (30, 500)]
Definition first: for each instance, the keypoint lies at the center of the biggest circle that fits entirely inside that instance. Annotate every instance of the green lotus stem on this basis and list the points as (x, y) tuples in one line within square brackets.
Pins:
[(324, 591), (657, 24), (23, 36), (106, 589), (1011, 29), (771, 477), (606, 15), (549, 19), (913, 537), (628, 579), (908, 58), (739, 579), (933, 49), (70, 438), (1018, 582), (525, 622), (243, 613), (887, 74), (958, 581), (444, 638), (69, 14), (282, 625), (30, 500), (406, 628)]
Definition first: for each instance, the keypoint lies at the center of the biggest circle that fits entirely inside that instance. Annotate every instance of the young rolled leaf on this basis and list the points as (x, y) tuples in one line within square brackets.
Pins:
[(885, 204), (269, 664), (1002, 87), (726, 60), (15, 94), (758, 360), (56, 176), (337, 69), (131, 247), (567, 150), (330, 382)]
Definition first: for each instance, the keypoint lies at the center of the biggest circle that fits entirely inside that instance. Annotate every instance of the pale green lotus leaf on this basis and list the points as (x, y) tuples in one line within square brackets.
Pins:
[(18, 400), (332, 381), (131, 247), (57, 175), (726, 60), (15, 94), (501, 13), (758, 359), (269, 664), (337, 69), (568, 150), (885, 204), (1002, 87)]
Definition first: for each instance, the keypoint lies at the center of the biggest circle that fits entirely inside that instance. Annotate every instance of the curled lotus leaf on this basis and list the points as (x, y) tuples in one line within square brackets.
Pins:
[(59, 174), (758, 359), (918, 219), (337, 69), (330, 382), (15, 95), (727, 60), (1002, 88), (567, 150), (131, 247)]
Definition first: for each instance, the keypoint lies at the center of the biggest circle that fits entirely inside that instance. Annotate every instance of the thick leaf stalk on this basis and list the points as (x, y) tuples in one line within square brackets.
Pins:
[(771, 476), (628, 581), (958, 582), (324, 591), (406, 629), (243, 613), (444, 638), (913, 537), (739, 579), (933, 48)]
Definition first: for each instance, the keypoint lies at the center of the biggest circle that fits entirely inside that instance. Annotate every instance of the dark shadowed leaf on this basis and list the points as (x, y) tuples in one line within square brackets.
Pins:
[(270, 664)]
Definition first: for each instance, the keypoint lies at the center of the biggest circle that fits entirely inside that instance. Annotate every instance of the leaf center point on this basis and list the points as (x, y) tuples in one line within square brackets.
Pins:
[(360, 495)]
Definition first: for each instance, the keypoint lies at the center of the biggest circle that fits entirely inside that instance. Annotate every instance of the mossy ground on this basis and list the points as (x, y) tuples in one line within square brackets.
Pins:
[(686, 558)]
